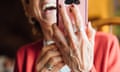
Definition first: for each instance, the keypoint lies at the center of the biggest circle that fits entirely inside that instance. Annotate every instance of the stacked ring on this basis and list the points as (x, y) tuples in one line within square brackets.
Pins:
[(49, 67)]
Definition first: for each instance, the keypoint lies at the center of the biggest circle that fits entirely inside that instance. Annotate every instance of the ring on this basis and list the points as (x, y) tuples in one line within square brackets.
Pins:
[(49, 67), (48, 42), (80, 29)]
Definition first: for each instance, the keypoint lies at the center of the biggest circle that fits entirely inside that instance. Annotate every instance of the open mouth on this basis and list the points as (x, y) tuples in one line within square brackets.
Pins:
[(49, 6)]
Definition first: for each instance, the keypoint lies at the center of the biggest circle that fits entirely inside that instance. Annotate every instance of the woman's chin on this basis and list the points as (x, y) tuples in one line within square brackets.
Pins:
[(50, 18), (51, 21)]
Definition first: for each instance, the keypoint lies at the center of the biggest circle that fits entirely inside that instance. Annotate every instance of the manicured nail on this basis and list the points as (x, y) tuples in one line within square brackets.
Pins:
[(59, 6), (89, 25), (72, 5)]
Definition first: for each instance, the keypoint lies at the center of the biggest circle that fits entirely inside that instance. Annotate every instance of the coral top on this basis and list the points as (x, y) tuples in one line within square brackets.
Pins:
[(106, 55)]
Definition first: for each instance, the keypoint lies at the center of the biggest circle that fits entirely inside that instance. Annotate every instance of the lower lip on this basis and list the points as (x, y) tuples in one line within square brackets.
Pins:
[(50, 11), (49, 14)]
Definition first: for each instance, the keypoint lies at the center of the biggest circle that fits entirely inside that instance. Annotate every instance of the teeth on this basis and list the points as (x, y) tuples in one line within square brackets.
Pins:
[(48, 5)]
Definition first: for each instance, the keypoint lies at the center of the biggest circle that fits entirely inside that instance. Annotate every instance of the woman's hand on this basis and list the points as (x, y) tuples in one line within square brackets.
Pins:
[(49, 60), (77, 48)]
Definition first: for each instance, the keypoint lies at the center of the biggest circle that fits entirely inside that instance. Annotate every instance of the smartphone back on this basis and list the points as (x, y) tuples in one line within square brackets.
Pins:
[(83, 7)]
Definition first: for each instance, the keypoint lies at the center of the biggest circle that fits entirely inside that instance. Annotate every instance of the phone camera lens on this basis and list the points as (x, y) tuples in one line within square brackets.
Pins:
[(68, 1), (76, 1)]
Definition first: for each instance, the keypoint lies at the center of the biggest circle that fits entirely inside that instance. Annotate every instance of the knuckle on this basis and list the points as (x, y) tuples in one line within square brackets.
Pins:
[(48, 54), (37, 68), (54, 60), (61, 64), (43, 49), (48, 47)]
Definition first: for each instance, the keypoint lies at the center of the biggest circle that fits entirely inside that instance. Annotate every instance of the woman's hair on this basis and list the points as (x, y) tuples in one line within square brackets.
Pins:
[(36, 28)]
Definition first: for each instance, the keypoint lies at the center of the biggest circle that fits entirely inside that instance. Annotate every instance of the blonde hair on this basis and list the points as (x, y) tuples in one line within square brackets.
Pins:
[(36, 29)]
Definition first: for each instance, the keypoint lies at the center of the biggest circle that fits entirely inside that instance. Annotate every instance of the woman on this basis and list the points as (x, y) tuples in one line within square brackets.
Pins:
[(73, 49)]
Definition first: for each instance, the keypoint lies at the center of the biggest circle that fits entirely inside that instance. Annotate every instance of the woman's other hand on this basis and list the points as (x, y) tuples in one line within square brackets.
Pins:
[(49, 60)]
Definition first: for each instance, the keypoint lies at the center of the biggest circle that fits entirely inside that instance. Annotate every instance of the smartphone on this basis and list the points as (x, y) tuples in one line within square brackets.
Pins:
[(83, 6)]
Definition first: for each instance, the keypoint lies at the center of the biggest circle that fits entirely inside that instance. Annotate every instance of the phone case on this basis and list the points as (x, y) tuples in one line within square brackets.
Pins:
[(83, 6)]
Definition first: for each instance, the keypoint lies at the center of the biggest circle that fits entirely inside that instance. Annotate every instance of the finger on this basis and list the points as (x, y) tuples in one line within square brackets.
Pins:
[(46, 58), (88, 49), (77, 16), (44, 70), (67, 22), (58, 67), (62, 45), (79, 24), (47, 48), (44, 50), (55, 60), (91, 32), (91, 36), (59, 37)]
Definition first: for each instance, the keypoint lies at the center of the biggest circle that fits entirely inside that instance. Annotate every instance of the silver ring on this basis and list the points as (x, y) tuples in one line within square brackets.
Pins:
[(49, 42), (80, 29), (49, 67)]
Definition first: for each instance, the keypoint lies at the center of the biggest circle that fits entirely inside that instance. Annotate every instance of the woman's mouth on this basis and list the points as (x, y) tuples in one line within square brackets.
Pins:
[(49, 7), (49, 11)]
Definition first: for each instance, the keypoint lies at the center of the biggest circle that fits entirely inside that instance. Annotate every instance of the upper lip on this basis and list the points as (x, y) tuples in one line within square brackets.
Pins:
[(49, 6)]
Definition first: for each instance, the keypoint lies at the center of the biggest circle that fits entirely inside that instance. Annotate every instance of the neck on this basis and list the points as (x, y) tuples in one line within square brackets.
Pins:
[(47, 32)]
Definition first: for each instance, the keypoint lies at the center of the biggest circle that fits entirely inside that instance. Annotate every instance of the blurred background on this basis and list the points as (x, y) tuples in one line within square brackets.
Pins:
[(105, 11), (15, 31)]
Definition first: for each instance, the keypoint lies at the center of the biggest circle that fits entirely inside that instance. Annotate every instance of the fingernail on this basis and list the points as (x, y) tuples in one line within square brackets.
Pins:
[(89, 25), (59, 6), (72, 5)]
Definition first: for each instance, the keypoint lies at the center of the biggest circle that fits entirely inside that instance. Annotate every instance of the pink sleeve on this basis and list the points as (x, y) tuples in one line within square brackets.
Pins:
[(107, 53), (20, 60), (114, 57)]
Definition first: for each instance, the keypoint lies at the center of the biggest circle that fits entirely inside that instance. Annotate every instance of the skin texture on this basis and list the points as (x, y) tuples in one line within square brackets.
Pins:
[(50, 55), (77, 53)]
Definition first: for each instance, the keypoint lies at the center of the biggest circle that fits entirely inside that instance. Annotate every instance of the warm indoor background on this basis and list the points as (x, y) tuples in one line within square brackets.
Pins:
[(15, 31), (104, 9)]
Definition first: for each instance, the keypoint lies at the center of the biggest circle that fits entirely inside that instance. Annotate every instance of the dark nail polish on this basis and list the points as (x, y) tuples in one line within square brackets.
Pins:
[(68, 2), (59, 6), (72, 5), (77, 2)]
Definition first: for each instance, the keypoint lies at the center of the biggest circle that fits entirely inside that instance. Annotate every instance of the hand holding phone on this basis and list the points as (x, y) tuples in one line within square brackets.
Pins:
[(76, 46)]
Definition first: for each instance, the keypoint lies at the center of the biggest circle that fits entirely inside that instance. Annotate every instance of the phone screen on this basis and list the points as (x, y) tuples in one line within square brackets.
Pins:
[(83, 6)]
